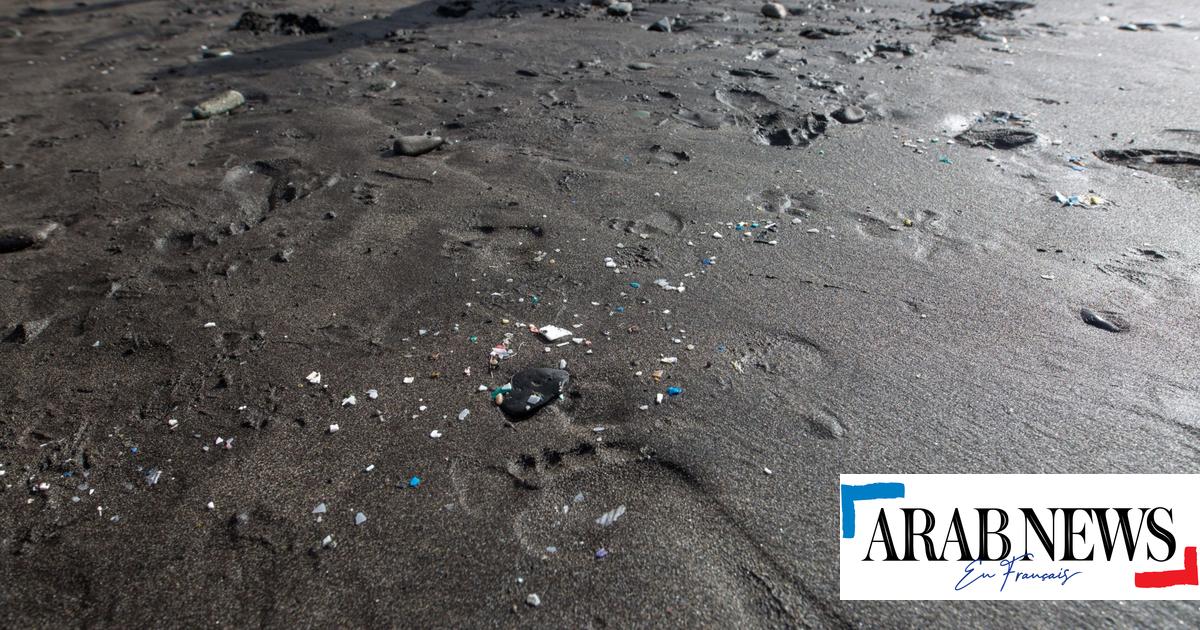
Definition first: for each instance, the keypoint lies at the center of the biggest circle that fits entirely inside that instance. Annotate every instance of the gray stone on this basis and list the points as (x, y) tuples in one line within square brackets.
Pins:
[(774, 10), (413, 146), (222, 103), (1092, 318), (850, 114), (620, 9)]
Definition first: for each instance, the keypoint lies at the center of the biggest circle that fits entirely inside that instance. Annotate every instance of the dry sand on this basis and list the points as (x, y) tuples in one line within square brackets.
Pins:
[(919, 312)]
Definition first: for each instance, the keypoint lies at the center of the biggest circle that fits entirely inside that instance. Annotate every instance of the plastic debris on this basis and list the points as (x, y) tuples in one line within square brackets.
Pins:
[(462, 415), (414, 482), (435, 434), (553, 333), (314, 378), (349, 401), (533, 600), (360, 518), (1078, 201), (667, 286), (530, 390), (611, 516), (674, 391), (320, 509), (601, 553)]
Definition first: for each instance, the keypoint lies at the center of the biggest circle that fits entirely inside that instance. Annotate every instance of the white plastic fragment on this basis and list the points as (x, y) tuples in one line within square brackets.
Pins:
[(611, 516), (553, 333), (533, 600), (333, 428), (320, 509), (664, 284), (408, 380), (372, 394), (360, 518), (210, 325), (314, 378), (462, 415), (435, 434), (349, 401)]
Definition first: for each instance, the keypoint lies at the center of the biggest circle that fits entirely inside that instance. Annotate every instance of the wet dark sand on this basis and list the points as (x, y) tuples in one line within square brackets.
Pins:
[(931, 324)]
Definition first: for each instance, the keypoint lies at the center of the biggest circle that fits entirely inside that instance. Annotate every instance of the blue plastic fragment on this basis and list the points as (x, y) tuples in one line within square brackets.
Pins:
[(414, 482), (674, 391)]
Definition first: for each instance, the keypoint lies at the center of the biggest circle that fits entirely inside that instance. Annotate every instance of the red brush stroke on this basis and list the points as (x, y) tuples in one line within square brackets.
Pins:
[(1162, 579)]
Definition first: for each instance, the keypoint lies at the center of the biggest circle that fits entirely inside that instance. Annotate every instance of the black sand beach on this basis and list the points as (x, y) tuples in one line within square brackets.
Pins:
[(700, 209)]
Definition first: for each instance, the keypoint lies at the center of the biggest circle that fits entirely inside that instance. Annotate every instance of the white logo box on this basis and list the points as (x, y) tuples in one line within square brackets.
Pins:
[(1158, 507)]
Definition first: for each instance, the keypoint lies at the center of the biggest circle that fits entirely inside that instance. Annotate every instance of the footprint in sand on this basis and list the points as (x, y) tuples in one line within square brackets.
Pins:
[(658, 223), (715, 561), (1182, 167)]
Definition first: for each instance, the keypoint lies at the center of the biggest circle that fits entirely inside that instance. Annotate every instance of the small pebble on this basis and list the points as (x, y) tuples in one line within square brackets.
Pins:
[(774, 10), (413, 146)]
